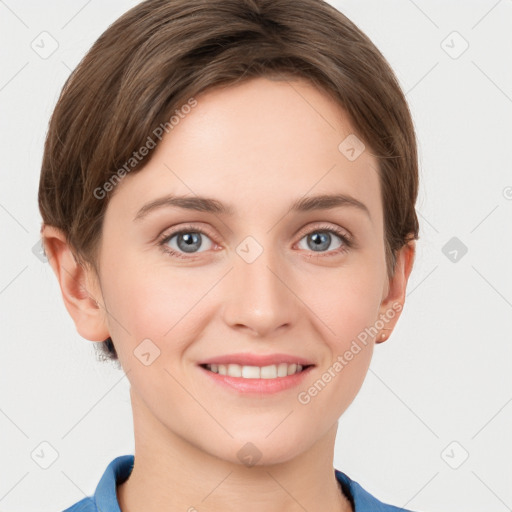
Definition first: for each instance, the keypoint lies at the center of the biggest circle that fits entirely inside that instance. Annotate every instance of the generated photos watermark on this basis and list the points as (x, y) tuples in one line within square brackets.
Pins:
[(342, 360), (144, 150)]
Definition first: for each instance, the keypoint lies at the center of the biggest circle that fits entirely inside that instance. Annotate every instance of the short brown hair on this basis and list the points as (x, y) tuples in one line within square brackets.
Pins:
[(161, 53)]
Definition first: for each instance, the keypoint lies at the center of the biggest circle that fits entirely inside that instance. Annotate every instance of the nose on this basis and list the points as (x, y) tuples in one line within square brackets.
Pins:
[(259, 296)]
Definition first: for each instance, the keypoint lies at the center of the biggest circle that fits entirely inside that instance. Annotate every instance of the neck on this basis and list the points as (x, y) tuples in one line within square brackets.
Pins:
[(170, 475)]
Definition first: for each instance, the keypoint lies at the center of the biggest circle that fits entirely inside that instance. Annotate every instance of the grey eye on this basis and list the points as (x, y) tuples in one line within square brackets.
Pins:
[(320, 241), (187, 241)]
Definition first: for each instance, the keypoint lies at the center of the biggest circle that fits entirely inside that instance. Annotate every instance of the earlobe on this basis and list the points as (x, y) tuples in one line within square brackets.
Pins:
[(75, 282), (392, 306)]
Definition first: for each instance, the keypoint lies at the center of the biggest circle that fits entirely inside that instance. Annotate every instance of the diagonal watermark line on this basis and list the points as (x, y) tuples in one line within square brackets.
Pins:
[(501, 409), (307, 191), (283, 78), (98, 303), (488, 282), (403, 402), (491, 80), (492, 211), (13, 279), (14, 218), (217, 486), (410, 499), (188, 186), (13, 423), (107, 107), (286, 491), (424, 14), (506, 505), (76, 14), (288, 82), (13, 13), (200, 299), (486, 14), (430, 273), (200, 404), (280, 423), (422, 78), (333, 333), (94, 405), (104, 306), (427, 221), (73, 483), (14, 76), (14, 485)]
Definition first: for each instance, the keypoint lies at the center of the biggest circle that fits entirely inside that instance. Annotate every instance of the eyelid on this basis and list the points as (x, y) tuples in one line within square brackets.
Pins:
[(345, 236), (341, 232), (166, 235)]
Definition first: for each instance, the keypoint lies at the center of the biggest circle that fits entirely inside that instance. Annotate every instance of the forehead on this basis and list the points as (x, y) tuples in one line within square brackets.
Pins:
[(261, 140)]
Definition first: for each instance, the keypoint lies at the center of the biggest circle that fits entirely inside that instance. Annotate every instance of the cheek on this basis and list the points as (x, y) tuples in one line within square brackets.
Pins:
[(155, 303), (345, 304), (347, 308), (346, 301)]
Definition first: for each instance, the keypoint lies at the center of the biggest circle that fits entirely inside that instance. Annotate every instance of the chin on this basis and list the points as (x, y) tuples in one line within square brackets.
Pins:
[(256, 449)]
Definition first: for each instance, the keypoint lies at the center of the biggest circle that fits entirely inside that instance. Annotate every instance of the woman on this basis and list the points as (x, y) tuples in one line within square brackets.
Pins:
[(227, 195)]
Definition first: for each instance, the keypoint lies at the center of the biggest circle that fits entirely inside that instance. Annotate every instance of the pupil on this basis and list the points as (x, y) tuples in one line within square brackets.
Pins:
[(323, 240), (192, 242)]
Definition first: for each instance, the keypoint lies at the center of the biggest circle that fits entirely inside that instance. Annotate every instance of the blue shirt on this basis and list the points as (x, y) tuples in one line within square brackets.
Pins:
[(105, 497)]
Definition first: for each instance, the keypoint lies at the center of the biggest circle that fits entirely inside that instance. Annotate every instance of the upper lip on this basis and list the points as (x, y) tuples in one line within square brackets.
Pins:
[(246, 359)]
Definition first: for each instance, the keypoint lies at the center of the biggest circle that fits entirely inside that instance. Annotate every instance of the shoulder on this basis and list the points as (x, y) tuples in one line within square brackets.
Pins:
[(85, 505), (361, 499)]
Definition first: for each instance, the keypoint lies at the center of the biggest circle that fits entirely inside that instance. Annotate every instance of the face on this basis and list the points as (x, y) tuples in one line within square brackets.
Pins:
[(246, 278)]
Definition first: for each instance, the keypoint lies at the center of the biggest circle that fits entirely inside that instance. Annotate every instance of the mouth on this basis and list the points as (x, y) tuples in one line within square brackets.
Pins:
[(256, 380), (256, 374), (273, 371)]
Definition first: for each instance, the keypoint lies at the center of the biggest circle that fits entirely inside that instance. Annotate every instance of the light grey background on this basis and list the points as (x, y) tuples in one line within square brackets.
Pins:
[(438, 391)]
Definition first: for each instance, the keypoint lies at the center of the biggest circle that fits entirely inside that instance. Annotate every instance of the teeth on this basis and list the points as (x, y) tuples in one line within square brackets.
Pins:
[(250, 372), (234, 370), (269, 372), (255, 372)]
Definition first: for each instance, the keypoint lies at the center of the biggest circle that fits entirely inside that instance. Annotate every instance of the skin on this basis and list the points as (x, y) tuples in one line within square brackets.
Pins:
[(256, 146)]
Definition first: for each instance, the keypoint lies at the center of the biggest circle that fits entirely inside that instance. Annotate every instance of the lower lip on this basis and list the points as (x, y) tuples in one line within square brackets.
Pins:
[(258, 386)]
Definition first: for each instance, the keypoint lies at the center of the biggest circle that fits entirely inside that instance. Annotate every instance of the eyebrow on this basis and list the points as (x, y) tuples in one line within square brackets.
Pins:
[(206, 204)]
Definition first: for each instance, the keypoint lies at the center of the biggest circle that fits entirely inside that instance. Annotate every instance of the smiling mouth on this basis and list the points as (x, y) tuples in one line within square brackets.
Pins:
[(273, 371)]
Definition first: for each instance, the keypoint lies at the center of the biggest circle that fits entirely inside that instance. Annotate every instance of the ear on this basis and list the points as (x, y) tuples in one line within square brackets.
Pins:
[(79, 286), (392, 305)]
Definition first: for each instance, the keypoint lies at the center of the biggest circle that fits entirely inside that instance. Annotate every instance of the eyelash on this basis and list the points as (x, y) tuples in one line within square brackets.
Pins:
[(345, 238)]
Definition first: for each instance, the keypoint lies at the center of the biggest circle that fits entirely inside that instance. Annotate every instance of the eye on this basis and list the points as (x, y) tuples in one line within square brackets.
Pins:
[(186, 240), (190, 239), (320, 239)]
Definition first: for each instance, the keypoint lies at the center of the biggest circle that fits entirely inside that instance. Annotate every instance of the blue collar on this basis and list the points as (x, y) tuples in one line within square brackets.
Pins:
[(362, 500), (105, 497)]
